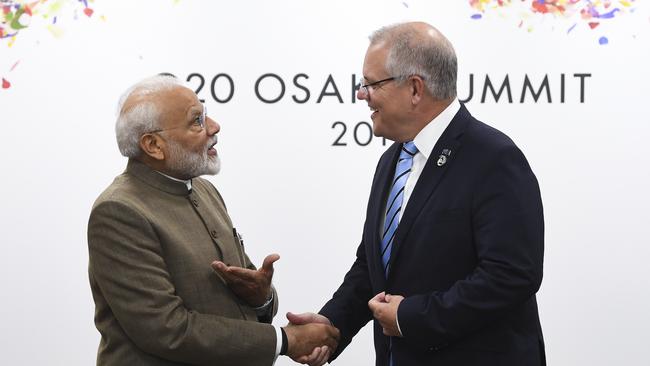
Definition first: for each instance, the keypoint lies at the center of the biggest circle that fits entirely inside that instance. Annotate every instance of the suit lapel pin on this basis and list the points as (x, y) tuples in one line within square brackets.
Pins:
[(442, 159)]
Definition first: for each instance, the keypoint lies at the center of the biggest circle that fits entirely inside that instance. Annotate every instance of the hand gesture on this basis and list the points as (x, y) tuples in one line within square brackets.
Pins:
[(252, 286)]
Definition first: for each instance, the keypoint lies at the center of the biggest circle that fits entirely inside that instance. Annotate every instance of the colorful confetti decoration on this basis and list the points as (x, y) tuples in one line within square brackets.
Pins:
[(575, 13), (18, 16)]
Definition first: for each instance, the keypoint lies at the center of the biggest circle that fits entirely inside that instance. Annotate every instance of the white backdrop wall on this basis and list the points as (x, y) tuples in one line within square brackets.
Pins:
[(288, 189)]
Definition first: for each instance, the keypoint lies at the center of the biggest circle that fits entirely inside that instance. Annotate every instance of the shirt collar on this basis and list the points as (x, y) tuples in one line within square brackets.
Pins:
[(188, 182), (427, 138)]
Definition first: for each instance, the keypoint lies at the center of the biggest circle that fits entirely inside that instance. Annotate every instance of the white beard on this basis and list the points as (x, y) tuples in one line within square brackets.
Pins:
[(184, 163)]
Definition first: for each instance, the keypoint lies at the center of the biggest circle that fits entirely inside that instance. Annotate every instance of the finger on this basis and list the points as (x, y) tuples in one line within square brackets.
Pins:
[(322, 358), (243, 274), (376, 302), (315, 354), (306, 318), (326, 356), (219, 266), (388, 297), (299, 319), (304, 359), (267, 264), (222, 270), (380, 297)]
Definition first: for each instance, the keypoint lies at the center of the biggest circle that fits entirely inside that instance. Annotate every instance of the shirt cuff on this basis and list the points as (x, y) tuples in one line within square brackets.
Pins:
[(264, 308), (397, 321), (278, 342)]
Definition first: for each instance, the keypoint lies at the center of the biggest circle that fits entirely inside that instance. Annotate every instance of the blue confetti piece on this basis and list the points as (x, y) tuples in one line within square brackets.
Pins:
[(609, 15), (603, 40), (477, 16), (570, 29)]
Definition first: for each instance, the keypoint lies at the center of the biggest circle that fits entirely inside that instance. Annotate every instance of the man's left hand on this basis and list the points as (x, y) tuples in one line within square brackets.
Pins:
[(384, 309), (252, 286)]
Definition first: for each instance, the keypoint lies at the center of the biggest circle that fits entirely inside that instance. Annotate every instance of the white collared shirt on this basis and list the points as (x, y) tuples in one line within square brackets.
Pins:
[(425, 140)]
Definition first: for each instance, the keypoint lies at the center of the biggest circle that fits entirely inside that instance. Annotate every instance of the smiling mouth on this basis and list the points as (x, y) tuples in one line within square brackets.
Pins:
[(374, 112)]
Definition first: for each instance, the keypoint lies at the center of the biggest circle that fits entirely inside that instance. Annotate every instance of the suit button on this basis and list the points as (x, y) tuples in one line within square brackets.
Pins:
[(214, 233)]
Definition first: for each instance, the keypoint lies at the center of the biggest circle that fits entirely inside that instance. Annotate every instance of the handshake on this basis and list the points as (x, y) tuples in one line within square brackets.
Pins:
[(311, 339)]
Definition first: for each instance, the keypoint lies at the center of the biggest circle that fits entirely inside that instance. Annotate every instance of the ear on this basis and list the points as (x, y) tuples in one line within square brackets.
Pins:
[(417, 89), (151, 145)]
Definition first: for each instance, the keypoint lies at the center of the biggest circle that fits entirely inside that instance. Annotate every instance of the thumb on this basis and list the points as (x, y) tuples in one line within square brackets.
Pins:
[(267, 265), (299, 319), (306, 318)]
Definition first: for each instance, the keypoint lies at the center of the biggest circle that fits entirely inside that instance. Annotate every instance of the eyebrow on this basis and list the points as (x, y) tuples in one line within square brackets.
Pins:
[(193, 112)]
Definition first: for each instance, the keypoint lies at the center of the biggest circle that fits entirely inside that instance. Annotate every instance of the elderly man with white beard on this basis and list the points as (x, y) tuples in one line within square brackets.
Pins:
[(171, 281)]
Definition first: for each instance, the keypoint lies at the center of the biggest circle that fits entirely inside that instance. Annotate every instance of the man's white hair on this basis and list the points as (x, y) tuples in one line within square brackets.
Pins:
[(143, 115), (410, 53)]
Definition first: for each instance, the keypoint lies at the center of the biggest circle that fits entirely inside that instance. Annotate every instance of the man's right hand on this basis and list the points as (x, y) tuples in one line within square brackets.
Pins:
[(311, 343)]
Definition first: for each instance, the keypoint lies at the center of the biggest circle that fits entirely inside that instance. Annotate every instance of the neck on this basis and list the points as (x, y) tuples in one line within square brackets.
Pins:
[(161, 167), (426, 112)]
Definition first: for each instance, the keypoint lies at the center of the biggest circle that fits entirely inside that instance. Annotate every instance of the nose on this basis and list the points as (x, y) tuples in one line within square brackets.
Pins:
[(212, 127), (361, 94)]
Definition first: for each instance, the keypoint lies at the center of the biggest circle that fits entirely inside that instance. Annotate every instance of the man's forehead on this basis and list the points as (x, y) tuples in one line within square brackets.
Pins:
[(374, 61)]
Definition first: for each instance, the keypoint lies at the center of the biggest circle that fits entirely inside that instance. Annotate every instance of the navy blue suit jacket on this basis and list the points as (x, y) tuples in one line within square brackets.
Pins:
[(467, 256)]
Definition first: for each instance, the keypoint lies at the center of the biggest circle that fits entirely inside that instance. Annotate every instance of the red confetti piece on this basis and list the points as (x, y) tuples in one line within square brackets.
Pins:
[(593, 25), (88, 12), (5, 84)]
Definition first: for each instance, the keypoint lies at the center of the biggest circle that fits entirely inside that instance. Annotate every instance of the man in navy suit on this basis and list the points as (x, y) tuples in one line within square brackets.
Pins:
[(453, 243)]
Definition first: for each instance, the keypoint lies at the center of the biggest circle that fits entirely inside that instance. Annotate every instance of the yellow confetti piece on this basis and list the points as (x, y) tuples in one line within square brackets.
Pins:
[(625, 3), (103, 18), (55, 7), (57, 32)]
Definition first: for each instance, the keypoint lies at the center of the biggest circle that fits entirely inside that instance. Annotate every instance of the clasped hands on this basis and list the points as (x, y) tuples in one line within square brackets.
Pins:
[(308, 340), (384, 310)]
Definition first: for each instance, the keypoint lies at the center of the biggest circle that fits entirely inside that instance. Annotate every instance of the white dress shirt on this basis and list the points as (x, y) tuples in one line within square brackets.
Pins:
[(425, 140)]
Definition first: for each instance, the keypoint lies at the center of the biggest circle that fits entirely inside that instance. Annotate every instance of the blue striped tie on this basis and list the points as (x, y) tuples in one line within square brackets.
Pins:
[(394, 202)]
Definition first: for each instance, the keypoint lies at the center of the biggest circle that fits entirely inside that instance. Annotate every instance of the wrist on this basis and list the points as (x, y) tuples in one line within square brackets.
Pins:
[(265, 304)]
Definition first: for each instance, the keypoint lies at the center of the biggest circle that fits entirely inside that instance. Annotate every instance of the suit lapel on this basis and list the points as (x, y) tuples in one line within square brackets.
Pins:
[(431, 176)]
